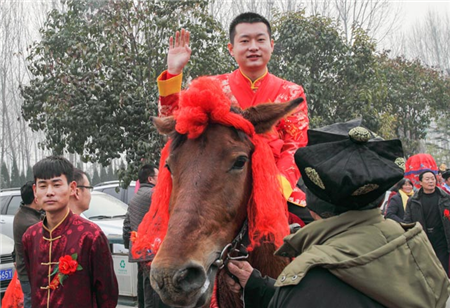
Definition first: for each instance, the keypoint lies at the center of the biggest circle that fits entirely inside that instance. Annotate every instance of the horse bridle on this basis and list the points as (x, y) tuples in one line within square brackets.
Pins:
[(236, 250)]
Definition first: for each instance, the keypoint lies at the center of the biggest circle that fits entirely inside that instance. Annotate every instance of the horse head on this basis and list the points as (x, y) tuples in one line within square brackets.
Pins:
[(210, 164)]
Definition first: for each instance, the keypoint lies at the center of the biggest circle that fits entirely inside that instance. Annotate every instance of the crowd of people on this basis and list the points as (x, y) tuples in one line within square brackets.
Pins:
[(345, 249), (429, 204)]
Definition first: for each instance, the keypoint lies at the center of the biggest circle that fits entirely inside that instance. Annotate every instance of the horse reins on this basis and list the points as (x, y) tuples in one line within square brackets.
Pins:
[(236, 250)]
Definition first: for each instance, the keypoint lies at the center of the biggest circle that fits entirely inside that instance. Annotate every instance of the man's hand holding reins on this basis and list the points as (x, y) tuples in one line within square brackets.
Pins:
[(242, 271)]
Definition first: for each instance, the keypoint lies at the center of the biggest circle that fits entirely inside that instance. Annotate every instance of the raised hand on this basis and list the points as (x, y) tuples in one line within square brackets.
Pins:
[(179, 52)]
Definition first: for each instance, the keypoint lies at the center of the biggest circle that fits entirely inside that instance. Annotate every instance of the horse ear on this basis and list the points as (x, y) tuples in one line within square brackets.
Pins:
[(164, 125), (264, 116)]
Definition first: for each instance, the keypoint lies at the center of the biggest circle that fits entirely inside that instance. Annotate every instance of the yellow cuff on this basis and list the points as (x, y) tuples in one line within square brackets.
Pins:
[(169, 86), (286, 188)]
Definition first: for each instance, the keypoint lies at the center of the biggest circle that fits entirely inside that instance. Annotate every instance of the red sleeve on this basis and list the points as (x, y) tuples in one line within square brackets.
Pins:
[(104, 279), (292, 131), (169, 87), (26, 248)]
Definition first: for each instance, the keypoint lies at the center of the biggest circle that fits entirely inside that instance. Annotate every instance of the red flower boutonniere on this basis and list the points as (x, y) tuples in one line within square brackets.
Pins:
[(447, 214), (66, 266)]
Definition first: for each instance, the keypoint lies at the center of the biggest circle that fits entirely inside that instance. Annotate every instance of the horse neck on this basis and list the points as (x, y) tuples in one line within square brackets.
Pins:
[(263, 259)]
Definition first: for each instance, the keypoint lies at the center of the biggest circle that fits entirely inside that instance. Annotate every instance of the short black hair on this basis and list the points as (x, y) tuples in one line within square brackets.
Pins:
[(78, 176), (250, 18), (147, 170), (53, 166), (402, 182), (27, 193), (446, 175), (426, 171)]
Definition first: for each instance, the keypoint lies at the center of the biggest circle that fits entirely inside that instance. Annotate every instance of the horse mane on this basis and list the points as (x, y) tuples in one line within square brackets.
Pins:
[(203, 103)]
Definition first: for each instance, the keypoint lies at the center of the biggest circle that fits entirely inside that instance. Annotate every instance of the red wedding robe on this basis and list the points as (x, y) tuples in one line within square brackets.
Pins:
[(290, 133), (93, 286)]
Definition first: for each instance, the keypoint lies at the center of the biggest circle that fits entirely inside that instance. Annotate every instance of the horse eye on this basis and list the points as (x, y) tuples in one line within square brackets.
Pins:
[(168, 167), (240, 163)]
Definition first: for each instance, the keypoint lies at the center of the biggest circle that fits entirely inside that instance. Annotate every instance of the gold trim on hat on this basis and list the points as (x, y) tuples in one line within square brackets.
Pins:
[(365, 189), (359, 134), (400, 161), (314, 177)]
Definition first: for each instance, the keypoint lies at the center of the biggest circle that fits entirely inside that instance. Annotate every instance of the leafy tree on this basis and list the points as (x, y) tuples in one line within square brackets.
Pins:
[(417, 94), (440, 149), (4, 176), (93, 88), (338, 78)]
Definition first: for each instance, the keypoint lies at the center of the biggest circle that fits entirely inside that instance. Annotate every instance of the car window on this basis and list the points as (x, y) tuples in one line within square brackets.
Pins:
[(3, 200), (14, 205), (105, 205), (112, 192)]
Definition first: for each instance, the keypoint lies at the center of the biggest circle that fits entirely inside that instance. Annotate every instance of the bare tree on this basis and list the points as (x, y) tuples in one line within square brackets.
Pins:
[(378, 17), (19, 24), (429, 41)]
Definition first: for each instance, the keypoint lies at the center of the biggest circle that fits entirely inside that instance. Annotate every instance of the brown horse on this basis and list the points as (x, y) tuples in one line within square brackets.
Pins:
[(210, 199)]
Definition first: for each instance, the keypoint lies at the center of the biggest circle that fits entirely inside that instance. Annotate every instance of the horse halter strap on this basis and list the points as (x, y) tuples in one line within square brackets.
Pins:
[(236, 250)]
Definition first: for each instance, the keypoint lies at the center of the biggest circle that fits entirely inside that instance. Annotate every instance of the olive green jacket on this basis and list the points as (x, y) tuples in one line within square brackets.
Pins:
[(393, 264)]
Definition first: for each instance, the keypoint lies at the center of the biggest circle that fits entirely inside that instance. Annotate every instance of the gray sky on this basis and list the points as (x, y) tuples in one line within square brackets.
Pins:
[(413, 10)]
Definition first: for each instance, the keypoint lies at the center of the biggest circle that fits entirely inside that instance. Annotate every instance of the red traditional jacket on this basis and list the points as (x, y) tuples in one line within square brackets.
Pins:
[(290, 133), (95, 285)]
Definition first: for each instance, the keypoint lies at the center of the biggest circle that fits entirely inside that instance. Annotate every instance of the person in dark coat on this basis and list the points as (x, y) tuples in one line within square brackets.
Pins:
[(350, 256), (430, 206), (29, 213), (397, 204), (138, 207)]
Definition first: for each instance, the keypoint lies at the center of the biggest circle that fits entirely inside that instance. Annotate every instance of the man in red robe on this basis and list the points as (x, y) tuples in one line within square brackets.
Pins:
[(251, 45), (66, 256)]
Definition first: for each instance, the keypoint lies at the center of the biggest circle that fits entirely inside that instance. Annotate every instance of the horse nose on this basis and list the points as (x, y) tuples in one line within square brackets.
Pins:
[(190, 278), (184, 279)]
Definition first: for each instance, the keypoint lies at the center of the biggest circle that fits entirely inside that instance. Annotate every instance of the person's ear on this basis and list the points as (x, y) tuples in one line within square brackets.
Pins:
[(230, 49), (77, 193), (73, 188)]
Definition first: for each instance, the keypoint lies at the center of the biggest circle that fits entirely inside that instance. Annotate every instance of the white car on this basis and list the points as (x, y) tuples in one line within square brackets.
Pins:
[(10, 200), (114, 189), (107, 212), (6, 261)]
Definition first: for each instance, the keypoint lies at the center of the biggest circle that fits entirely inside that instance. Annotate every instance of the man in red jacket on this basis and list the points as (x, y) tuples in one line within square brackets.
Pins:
[(67, 257), (251, 45)]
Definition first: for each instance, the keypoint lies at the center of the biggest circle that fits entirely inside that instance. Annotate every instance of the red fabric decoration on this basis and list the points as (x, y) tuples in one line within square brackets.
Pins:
[(418, 163), (13, 297), (203, 103)]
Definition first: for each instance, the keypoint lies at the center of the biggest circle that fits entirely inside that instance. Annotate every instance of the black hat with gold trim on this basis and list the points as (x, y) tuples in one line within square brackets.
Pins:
[(348, 166)]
